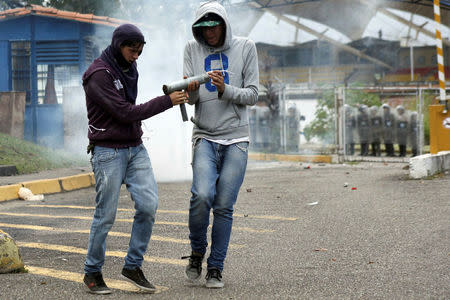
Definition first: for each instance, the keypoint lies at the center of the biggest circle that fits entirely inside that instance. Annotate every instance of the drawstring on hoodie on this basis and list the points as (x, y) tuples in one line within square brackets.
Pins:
[(99, 129)]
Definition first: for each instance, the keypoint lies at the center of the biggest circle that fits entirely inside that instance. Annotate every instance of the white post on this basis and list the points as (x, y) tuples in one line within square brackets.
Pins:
[(440, 50)]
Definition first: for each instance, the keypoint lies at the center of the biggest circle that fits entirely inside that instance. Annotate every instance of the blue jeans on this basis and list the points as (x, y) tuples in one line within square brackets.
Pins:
[(112, 167), (218, 172)]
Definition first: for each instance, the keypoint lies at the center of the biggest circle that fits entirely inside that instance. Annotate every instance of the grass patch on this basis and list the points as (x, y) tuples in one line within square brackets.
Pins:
[(31, 158), (352, 163), (435, 176), (20, 270)]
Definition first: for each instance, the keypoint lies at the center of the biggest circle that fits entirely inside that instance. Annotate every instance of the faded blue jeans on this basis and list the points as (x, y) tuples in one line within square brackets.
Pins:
[(218, 173), (112, 167)]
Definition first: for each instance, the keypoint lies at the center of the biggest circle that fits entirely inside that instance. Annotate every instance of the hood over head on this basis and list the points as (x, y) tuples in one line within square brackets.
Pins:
[(123, 33), (112, 55), (207, 15)]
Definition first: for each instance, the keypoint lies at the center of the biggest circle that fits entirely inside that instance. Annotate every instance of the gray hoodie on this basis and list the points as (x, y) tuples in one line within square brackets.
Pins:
[(224, 117)]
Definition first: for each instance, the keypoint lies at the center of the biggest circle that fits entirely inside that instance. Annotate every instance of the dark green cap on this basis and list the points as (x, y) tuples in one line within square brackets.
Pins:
[(207, 24), (209, 20)]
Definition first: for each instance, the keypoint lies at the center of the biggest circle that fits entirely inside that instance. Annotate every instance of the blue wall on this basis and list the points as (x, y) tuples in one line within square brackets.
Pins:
[(51, 29), (48, 29), (44, 123), (15, 29), (5, 67)]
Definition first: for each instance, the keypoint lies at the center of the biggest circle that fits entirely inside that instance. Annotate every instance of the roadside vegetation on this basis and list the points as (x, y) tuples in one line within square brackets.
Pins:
[(31, 158)]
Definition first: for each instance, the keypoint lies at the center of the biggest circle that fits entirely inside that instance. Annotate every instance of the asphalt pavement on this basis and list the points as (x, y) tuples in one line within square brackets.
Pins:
[(301, 231)]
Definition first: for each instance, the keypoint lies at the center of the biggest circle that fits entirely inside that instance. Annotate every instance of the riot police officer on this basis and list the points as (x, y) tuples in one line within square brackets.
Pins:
[(376, 130), (292, 134), (362, 121), (402, 130), (388, 129), (350, 125)]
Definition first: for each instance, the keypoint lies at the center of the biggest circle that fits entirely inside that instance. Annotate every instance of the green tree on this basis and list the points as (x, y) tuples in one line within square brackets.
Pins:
[(8, 4), (323, 126)]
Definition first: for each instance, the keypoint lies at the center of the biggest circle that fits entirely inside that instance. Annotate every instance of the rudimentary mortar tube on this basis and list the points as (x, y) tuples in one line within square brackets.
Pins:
[(181, 85)]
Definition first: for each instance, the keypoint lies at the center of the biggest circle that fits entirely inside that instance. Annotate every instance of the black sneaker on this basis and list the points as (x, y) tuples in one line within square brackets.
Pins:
[(194, 268), (137, 278), (214, 279), (95, 283)]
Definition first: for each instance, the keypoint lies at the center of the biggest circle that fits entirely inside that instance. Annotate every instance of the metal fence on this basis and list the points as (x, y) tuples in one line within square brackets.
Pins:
[(355, 123)]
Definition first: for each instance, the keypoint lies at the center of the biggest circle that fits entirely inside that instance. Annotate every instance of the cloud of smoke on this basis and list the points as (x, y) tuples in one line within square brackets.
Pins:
[(167, 27), (166, 137)]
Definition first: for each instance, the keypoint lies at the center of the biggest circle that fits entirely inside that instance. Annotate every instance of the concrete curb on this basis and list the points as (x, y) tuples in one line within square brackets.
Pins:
[(9, 192), (291, 157), (48, 186), (429, 164)]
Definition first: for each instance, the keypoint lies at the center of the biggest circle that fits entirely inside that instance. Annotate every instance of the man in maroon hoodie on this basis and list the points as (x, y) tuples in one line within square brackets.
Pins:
[(118, 155)]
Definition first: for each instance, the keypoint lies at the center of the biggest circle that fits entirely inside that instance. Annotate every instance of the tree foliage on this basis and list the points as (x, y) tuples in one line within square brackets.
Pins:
[(323, 126)]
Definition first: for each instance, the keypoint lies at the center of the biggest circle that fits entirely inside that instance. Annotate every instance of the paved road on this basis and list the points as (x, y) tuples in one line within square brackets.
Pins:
[(299, 233)]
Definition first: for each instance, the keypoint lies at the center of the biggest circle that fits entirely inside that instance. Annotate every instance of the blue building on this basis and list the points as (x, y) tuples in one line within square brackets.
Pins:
[(42, 51)]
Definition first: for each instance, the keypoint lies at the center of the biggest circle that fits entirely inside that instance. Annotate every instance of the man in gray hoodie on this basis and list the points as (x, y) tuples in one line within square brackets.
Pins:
[(221, 133)]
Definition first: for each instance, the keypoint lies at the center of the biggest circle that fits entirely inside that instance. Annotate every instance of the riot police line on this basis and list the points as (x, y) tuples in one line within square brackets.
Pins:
[(372, 127), (266, 130)]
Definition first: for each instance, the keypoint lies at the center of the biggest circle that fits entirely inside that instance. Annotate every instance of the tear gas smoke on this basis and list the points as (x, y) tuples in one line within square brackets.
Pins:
[(166, 137)]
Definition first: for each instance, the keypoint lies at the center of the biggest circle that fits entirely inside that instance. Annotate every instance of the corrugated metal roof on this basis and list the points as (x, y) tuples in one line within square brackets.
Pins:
[(61, 14)]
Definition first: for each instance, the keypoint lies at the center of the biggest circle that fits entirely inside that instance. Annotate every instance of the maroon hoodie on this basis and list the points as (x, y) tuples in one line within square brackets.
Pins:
[(114, 118)]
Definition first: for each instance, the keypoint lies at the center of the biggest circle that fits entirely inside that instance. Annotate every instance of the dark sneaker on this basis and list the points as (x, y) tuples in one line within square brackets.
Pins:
[(95, 283), (194, 268), (214, 279), (137, 278)]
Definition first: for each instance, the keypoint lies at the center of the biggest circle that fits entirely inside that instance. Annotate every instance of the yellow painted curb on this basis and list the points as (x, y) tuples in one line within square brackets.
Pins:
[(48, 186), (44, 186), (9, 192), (75, 182), (291, 157)]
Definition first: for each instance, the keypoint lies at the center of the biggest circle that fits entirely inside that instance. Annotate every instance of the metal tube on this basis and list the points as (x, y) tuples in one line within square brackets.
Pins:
[(181, 85)]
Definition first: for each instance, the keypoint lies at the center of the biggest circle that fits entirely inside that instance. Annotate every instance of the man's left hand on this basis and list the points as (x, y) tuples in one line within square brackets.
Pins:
[(217, 80)]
